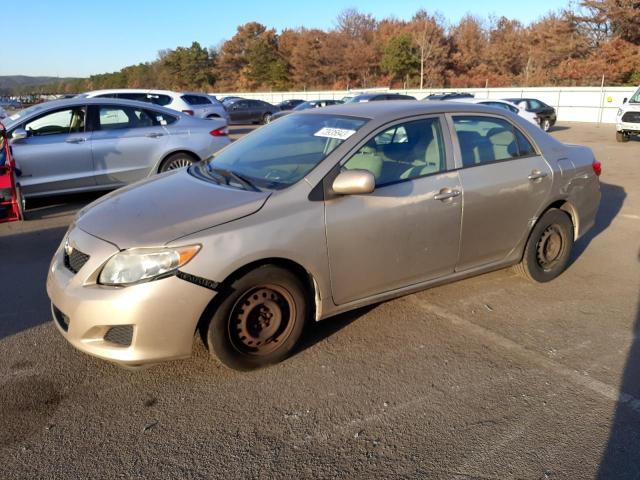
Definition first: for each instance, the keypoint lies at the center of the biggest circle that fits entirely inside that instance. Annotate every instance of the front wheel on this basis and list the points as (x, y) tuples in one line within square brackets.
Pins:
[(548, 249), (622, 137), (21, 201), (260, 320), (266, 118), (546, 124)]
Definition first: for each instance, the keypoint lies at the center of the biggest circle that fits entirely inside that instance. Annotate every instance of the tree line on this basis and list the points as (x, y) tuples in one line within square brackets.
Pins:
[(575, 46)]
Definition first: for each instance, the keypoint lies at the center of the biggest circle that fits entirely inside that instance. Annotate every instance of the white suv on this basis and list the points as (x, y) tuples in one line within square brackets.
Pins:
[(196, 104), (628, 118)]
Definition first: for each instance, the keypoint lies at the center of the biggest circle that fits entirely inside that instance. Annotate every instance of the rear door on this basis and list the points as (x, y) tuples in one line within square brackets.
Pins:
[(408, 230), (506, 182), (127, 142), (56, 155)]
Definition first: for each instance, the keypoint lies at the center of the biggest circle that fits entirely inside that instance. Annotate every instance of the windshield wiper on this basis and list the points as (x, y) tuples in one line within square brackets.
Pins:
[(241, 179)]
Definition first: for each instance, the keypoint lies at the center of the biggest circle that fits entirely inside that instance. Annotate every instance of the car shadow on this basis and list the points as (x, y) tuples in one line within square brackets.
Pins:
[(559, 128), (23, 271), (621, 457), (613, 197)]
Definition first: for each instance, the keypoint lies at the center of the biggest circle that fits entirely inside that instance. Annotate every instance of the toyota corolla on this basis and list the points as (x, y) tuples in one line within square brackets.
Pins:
[(318, 213)]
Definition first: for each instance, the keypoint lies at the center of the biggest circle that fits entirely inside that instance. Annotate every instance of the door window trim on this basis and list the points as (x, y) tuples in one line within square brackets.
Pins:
[(456, 143), (56, 110)]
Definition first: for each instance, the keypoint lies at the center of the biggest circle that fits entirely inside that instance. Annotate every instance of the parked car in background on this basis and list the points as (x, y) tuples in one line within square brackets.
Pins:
[(245, 111), (628, 118), (503, 104), (229, 98), (375, 97), (3, 113), (318, 213), (545, 113), (199, 105), (306, 106), (289, 104), (448, 96), (83, 144)]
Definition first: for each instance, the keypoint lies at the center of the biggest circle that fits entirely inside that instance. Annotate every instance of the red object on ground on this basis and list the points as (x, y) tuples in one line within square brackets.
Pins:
[(10, 197)]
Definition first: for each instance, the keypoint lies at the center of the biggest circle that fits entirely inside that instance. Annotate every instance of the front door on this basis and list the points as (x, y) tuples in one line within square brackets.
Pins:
[(405, 232), (506, 182), (56, 155)]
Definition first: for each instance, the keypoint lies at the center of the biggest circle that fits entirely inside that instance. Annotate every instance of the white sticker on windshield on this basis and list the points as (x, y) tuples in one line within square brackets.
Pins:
[(339, 133), (15, 116)]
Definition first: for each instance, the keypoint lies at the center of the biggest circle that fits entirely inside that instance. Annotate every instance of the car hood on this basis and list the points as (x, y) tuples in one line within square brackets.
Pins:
[(164, 208)]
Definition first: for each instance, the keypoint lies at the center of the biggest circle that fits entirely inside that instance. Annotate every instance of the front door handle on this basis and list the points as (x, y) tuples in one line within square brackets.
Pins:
[(536, 175), (154, 134), (446, 194), (75, 140)]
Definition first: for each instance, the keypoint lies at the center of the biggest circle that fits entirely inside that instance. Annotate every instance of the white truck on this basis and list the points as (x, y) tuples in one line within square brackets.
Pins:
[(628, 118)]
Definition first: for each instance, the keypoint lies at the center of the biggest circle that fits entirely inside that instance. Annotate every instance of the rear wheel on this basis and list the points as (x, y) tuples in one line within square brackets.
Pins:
[(260, 320), (548, 249), (176, 161), (622, 137)]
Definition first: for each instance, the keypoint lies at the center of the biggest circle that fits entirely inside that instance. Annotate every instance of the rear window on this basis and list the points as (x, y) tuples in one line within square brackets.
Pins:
[(196, 99)]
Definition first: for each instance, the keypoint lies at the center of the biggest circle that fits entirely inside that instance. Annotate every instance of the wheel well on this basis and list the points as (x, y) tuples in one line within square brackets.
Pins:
[(298, 270), (213, 115), (566, 207), (186, 152)]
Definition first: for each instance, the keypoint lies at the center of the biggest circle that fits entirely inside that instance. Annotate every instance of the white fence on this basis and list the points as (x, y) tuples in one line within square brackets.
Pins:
[(572, 104)]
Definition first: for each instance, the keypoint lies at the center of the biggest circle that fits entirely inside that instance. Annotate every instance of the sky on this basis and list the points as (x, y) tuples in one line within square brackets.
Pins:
[(79, 37)]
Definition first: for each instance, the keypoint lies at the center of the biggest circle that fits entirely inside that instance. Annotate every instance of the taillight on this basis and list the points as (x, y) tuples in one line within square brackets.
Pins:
[(220, 132), (597, 167), (188, 112)]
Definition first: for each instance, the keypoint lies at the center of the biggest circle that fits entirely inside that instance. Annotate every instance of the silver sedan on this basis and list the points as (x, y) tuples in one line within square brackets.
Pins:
[(86, 144), (318, 213)]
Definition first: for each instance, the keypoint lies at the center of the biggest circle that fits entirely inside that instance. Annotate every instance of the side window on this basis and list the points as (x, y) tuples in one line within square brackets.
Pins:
[(107, 95), (403, 152), (158, 99), (113, 117), (140, 97), (488, 139), (160, 118), (535, 104), (66, 121)]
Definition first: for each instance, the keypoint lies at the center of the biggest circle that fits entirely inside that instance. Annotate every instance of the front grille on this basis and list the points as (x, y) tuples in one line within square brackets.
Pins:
[(60, 318), (76, 260), (121, 335), (631, 117)]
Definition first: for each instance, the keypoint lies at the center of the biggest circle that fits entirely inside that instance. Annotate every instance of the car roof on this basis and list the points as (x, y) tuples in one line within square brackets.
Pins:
[(78, 101), (390, 109)]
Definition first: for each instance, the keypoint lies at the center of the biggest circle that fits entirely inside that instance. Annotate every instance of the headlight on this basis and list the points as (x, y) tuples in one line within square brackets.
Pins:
[(139, 264), (619, 112)]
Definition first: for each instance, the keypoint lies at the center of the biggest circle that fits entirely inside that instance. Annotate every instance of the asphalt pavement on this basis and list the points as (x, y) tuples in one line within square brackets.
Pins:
[(487, 378)]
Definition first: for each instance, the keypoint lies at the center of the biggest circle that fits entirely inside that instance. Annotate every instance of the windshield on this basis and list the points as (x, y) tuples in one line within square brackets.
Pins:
[(9, 121), (636, 97), (281, 153)]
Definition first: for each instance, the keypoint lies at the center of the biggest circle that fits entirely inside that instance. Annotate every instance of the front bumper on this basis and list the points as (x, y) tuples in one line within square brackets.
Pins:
[(627, 126), (162, 314)]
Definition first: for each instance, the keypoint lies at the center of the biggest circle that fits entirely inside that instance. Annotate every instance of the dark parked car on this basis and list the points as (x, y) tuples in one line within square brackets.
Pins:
[(448, 96), (374, 97), (306, 106), (289, 104), (546, 114), (245, 111)]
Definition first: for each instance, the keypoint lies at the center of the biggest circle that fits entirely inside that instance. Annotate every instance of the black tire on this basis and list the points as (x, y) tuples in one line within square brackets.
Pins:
[(260, 320), (545, 124), (548, 249), (213, 115), (176, 161), (622, 137), (266, 118)]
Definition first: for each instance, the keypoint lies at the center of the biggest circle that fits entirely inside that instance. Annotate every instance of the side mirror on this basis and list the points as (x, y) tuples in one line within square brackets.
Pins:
[(19, 134), (354, 182), (624, 100)]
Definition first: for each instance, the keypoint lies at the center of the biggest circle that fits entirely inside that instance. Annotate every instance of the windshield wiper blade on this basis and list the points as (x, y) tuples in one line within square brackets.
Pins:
[(236, 176)]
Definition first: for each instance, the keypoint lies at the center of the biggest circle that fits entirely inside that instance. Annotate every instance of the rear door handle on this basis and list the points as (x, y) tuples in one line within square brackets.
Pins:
[(75, 140), (154, 134), (536, 175), (446, 194)]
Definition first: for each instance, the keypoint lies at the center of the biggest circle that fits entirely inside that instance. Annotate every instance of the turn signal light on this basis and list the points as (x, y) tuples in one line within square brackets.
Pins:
[(220, 132), (597, 167)]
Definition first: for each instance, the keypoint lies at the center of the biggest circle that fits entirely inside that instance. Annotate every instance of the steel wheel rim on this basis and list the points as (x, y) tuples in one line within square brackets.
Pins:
[(262, 319), (550, 248), (546, 125), (267, 118), (177, 163)]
